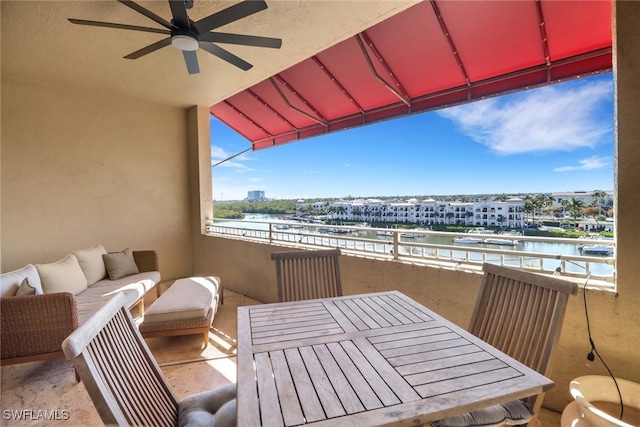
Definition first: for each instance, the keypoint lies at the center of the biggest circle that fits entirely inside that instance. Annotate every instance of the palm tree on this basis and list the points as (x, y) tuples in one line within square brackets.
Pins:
[(529, 206), (449, 216), (575, 207), (598, 198)]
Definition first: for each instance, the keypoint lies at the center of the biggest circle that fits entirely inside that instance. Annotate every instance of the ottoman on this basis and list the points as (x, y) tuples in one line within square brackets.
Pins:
[(186, 308)]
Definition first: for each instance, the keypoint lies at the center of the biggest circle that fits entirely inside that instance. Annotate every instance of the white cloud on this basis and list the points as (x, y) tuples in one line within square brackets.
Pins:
[(552, 118), (591, 163)]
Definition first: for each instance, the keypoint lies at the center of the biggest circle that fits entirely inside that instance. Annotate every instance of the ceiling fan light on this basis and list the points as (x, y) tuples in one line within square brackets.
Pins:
[(184, 42)]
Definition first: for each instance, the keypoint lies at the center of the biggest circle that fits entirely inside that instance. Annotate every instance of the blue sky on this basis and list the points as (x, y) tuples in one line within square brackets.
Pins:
[(555, 138)]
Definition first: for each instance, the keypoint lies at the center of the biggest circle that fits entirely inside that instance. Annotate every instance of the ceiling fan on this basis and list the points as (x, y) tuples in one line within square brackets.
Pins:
[(188, 36)]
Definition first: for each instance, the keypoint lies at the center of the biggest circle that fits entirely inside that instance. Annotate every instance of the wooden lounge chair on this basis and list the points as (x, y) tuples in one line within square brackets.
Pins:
[(303, 275), (521, 314), (126, 384)]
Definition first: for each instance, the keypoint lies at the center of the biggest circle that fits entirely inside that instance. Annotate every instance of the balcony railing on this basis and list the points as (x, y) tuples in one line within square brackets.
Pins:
[(430, 247)]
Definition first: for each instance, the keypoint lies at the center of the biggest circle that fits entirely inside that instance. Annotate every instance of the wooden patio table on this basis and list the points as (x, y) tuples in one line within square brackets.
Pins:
[(366, 360)]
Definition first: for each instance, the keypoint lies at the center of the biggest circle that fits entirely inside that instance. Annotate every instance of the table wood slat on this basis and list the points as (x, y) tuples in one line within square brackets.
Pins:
[(441, 363), (285, 323), (398, 315), (409, 308), (298, 328), (354, 319), (247, 390), (378, 385), (367, 305), (304, 388), (298, 336), (400, 387), (269, 400), (326, 393), (468, 382), (274, 312), (431, 355), (357, 381), (427, 377), (404, 343), (286, 391), (348, 397), (366, 360)]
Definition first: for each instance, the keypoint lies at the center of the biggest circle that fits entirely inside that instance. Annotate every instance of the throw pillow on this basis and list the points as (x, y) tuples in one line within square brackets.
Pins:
[(62, 276), (25, 288), (120, 264), (92, 264)]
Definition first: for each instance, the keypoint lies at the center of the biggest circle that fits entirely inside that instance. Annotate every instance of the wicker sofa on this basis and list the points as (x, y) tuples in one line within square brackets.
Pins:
[(40, 305)]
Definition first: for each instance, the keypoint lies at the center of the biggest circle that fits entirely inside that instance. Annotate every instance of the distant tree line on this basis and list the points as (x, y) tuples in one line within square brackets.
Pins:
[(236, 210)]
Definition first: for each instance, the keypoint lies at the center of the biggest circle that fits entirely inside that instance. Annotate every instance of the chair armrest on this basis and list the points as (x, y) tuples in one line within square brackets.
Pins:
[(146, 260), (36, 324)]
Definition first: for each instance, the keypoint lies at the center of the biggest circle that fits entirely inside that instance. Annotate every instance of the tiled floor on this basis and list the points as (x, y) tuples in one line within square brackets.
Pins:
[(46, 393)]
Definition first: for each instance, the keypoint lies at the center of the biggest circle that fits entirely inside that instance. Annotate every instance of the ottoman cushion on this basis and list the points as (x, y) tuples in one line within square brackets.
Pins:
[(186, 299)]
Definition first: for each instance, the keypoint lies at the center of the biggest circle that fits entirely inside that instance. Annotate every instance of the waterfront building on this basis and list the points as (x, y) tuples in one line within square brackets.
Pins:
[(585, 196), (509, 214), (255, 196)]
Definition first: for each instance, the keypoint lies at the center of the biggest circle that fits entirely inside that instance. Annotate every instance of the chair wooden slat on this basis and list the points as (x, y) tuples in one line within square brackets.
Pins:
[(118, 370), (303, 275), (521, 314)]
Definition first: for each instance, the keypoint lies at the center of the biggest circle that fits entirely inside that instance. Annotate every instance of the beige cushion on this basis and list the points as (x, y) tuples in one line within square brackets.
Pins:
[(213, 408), (120, 264), (186, 299), (512, 413), (11, 280), (62, 276), (92, 264), (25, 288)]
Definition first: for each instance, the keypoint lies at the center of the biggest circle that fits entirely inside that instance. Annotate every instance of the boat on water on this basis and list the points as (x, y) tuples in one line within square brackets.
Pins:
[(339, 231), (480, 231), (501, 242), (467, 240), (409, 235), (596, 249), (384, 233)]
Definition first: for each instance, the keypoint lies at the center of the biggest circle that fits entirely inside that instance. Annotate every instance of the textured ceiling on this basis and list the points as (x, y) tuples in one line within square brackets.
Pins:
[(39, 44)]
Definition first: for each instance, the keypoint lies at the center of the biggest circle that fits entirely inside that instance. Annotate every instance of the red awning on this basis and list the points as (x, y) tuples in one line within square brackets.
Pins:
[(435, 54)]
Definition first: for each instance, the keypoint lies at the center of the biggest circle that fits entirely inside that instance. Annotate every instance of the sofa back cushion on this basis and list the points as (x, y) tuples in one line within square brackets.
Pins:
[(62, 276), (91, 263), (11, 281)]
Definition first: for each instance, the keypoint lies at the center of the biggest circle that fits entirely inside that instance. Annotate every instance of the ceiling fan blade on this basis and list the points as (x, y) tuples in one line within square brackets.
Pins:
[(242, 39), (119, 26), (151, 48), (179, 12), (226, 55), (191, 59), (230, 14), (147, 13)]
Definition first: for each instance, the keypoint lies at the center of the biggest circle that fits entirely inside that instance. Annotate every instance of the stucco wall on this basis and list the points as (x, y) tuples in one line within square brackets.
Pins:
[(81, 168)]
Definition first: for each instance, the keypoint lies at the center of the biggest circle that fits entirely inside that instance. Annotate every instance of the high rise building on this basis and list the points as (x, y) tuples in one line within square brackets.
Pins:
[(255, 196)]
